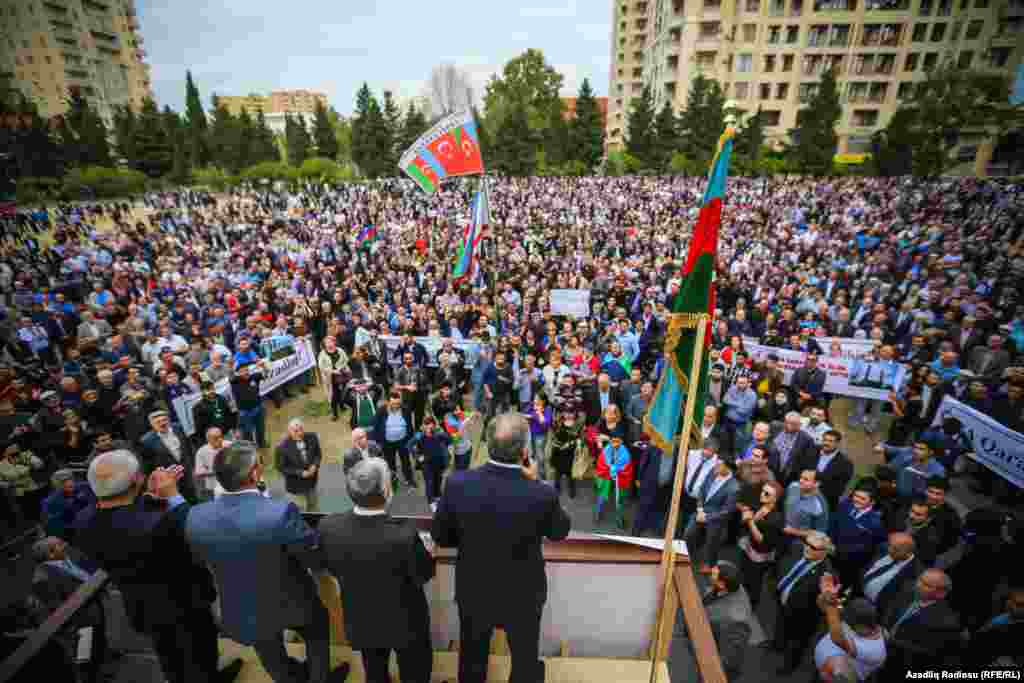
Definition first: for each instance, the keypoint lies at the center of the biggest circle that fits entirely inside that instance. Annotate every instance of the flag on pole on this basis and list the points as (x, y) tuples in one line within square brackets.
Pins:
[(366, 237), (466, 257), (450, 148), (696, 296)]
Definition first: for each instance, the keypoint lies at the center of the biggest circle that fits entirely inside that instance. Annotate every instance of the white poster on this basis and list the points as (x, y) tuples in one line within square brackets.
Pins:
[(432, 345), (996, 447), (571, 302), (843, 376), (279, 372), (846, 347)]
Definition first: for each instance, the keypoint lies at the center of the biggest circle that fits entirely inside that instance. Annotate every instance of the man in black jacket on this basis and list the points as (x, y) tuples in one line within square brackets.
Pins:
[(497, 516), (166, 445), (923, 631), (298, 460), (212, 410), (140, 541), (381, 564), (798, 587)]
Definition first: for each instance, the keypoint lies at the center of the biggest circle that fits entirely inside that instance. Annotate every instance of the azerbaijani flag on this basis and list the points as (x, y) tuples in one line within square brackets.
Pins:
[(465, 259), (696, 295), (366, 236)]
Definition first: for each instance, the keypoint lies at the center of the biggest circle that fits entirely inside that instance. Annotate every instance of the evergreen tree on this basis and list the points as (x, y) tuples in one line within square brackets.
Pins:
[(362, 146), (245, 152), (392, 133), (34, 151), (640, 142), (814, 138), (666, 137), (84, 135), (264, 146), (171, 122), (323, 134), (414, 125), (556, 137), (180, 172), (750, 139), (154, 150), (702, 122), (223, 139), (586, 132), (124, 134), (515, 145), (892, 148), (483, 137), (195, 122), (297, 140)]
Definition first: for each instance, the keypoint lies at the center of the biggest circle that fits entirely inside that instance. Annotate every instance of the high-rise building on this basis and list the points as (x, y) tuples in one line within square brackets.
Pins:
[(569, 113), (771, 54), (299, 103), (51, 48)]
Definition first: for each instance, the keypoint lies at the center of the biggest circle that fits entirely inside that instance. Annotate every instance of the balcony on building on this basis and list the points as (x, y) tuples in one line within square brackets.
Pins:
[(835, 5), (641, 25), (96, 5), (672, 63), (817, 36), (58, 6), (675, 37), (881, 35), (1013, 8), (103, 34), (641, 7), (777, 8), (709, 31), (678, 8), (711, 8), (62, 24), (796, 8), (705, 62), (1009, 31), (864, 118), (887, 5), (670, 90)]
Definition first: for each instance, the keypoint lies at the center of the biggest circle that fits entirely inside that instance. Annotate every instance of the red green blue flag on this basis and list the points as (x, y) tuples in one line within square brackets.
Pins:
[(450, 148), (465, 258), (366, 236)]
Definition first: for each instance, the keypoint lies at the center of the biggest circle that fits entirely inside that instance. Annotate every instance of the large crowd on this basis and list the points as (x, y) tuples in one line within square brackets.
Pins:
[(102, 330)]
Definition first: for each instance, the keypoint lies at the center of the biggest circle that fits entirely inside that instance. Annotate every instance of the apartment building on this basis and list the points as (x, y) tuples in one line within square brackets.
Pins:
[(771, 54), (50, 48), (277, 102)]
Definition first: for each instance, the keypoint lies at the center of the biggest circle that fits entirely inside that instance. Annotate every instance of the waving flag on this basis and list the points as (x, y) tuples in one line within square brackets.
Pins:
[(696, 295), (366, 237), (465, 259), (450, 148)]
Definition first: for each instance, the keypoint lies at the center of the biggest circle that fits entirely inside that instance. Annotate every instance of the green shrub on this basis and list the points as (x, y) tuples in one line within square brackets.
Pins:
[(37, 190), (271, 170), (101, 183)]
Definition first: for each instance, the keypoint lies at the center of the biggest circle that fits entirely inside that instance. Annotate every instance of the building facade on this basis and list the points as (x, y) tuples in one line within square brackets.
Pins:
[(277, 102), (771, 54), (51, 48), (569, 111)]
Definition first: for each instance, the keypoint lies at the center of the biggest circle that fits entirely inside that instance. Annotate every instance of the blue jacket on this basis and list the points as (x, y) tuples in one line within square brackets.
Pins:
[(257, 546), (856, 536)]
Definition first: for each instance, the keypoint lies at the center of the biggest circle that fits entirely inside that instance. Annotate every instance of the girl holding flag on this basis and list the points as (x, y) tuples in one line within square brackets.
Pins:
[(614, 478)]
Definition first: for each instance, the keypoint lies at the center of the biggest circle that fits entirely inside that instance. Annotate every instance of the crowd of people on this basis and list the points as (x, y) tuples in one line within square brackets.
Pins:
[(102, 330)]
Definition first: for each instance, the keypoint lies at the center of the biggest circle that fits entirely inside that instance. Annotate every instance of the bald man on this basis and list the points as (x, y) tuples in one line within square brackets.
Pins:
[(362, 448), (891, 571), (136, 533)]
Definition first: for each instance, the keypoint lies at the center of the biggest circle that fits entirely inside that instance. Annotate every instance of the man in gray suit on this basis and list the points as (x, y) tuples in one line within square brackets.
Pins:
[(261, 552), (362, 448), (716, 503)]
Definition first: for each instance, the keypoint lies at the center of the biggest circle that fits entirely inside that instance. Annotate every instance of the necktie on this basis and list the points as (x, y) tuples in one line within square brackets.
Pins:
[(693, 479), (792, 576), (880, 568), (912, 610)]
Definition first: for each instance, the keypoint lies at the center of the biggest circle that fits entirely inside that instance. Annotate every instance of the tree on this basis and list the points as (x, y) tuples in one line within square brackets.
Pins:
[(124, 133), (223, 136), (892, 149), (264, 147), (750, 139), (702, 122), (814, 138), (154, 150), (586, 132), (246, 142), (342, 133), (34, 151), (324, 139), (369, 135), (484, 137), (196, 124), (556, 137), (515, 145), (640, 142), (413, 126), (527, 80), (449, 90), (180, 172), (666, 137), (392, 129), (297, 140), (949, 101), (84, 135)]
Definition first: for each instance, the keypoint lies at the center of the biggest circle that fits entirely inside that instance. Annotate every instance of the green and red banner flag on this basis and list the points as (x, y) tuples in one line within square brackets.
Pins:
[(450, 148), (466, 257), (696, 296), (366, 237)]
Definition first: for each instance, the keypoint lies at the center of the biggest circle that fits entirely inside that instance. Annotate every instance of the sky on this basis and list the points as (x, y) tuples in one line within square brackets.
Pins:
[(236, 47)]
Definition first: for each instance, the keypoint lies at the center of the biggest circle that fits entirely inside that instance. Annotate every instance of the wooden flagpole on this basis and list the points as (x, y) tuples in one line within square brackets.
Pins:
[(683, 449)]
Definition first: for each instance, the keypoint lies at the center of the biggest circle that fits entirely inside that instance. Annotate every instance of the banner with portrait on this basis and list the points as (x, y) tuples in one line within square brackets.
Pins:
[(995, 446), (845, 347), (432, 345), (854, 377)]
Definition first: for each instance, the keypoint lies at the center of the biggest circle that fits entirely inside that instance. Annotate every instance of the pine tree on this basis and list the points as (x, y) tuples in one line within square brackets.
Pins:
[(586, 133), (414, 125), (180, 172), (750, 139), (362, 145), (324, 139), (84, 135), (245, 151), (556, 137), (223, 138), (515, 145), (666, 137), (265, 148), (702, 122), (393, 129), (640, 141), (814, 138), (124, 133), (154, 150), (297, 140), (195, 122)]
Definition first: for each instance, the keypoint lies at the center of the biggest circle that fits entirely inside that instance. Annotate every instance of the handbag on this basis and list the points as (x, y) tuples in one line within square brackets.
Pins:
[(581, 462)]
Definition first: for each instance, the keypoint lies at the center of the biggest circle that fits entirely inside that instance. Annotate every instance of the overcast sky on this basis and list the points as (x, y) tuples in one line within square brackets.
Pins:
[(235, 47)]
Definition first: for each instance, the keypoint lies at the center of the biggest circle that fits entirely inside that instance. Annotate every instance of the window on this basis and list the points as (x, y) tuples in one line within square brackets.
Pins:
[(905, 91), (713, 4), (771, 117), (769, 64), (839, 36), (945, 8), (774, 34), (965, 59), (753, 5), (974, 29), (797, 8), (859, 144), (877, 92), (25, 44), (925, 9), (792, 35), (744, 63), (938, 32), (706, 60), (807, 91), (818, 35), (887, 35), (709, 30), (856, 92), (980, 4), (999, 56), (931, 60), (781, 91), (765, 91), (787, 62), (863, 118), (741, 90), (920, 33), (777, 8), (958, 27), (749, 33), (911, 62), (49, 60)]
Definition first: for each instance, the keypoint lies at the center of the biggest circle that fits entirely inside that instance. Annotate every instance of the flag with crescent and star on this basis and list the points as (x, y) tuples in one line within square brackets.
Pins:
[(696, 296), (450, 148)]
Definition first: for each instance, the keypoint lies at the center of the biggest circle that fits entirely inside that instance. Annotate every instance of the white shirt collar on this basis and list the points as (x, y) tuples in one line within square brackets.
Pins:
[(365, 512), (238, 493), (514, 465)]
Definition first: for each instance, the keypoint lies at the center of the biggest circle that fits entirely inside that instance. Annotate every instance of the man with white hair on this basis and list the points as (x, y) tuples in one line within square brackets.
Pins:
[(298, 460), (382, 565), (362, 448), (136, 533), (798, 588)]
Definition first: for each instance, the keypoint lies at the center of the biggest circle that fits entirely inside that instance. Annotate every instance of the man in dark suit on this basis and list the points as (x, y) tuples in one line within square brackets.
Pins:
[(381, 565), (167, 445), (140, 541), (834, 469), (655, 476), (890, 572), (261, 552), (298, 460), (798, 587), (497, 516), (213, 410), (700, 466), (923, 630), (362, 448), (792, 450), (808, 382), (598, 397), (392, 430), (716, 504)]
